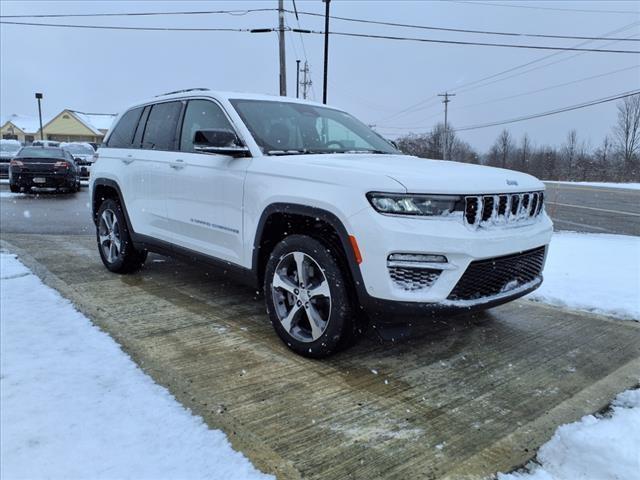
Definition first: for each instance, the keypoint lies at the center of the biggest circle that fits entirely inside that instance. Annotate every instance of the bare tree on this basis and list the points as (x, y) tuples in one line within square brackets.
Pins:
[(569, 152), (505, 146), (525, 152), (627, 132)]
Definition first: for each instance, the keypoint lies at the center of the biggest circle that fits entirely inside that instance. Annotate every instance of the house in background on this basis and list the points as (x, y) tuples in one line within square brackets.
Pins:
[(20, 127), (67, 126)]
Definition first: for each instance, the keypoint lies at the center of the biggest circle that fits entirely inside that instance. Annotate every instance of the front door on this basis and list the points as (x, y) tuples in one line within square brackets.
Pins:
[(204, 201)]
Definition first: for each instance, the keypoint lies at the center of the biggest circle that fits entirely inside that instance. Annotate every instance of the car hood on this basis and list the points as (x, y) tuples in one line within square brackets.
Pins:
[(420, 175)]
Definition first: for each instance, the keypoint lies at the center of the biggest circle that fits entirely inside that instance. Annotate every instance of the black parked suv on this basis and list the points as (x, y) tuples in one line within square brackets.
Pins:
[(43, 167)]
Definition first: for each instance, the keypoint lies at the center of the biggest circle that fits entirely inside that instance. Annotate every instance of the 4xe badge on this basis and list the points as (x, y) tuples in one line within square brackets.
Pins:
[(512, 183)]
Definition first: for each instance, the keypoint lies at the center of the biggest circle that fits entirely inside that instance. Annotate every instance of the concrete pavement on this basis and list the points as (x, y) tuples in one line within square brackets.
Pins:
[(470, 396)]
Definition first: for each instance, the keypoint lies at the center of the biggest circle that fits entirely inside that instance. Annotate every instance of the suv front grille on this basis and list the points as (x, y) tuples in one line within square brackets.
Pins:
[(486, 278), (508, 208), (412, 279)]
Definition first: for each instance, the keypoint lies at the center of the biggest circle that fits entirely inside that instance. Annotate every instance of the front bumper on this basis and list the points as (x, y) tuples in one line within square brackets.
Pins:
[(379, 236)]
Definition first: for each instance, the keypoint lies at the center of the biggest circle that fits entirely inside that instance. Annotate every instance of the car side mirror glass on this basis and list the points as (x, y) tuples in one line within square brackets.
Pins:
[(215, 137), (218, 140)]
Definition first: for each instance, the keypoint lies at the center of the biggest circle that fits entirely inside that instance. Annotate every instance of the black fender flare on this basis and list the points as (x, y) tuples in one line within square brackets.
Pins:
[(314, 213)]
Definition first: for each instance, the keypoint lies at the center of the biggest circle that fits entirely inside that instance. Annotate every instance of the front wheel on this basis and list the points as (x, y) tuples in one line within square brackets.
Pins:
[(307, 296), (114, 242)]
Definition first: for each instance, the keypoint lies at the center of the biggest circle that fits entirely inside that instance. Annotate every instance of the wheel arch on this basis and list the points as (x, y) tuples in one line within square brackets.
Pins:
[(103, 189), (279, 220)]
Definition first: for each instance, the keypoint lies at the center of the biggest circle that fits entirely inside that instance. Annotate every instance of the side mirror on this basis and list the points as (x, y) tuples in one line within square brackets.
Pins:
[(219, 140)]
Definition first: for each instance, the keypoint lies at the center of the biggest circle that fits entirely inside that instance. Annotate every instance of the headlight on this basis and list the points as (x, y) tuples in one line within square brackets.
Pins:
[(420, 205)]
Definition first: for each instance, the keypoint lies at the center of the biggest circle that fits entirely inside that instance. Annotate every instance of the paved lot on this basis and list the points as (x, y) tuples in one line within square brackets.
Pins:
[(470, 396), (594, 209), (577, 208)]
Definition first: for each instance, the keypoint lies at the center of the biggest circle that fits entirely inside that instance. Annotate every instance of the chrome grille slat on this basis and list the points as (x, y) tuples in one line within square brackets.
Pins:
[(506, 208)]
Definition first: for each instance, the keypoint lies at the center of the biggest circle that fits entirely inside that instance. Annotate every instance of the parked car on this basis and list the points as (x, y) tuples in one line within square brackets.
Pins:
[(45, 143), (43, 167), (8, 150), (84, 155), (310, 204)]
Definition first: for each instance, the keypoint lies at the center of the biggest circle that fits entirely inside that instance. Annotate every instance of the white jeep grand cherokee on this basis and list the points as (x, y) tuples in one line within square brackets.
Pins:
[(313, 206)]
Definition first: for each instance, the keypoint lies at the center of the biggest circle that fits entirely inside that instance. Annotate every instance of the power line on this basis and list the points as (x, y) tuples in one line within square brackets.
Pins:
[(531, 92), (482, 44), (144, 14), (551, 87), (551, 112), (159, 29), (297, 13), (557, 9), (460, 30), (472, 85), (298, 30)]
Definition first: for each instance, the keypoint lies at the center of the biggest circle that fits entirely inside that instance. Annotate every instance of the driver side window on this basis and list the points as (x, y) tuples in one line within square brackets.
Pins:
[(201, 115)]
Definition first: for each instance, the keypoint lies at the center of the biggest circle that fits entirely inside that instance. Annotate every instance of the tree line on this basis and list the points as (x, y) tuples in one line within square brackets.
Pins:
[(615, 159)]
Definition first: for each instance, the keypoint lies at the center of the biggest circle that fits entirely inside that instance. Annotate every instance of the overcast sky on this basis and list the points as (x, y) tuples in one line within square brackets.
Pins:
[(105, 70)]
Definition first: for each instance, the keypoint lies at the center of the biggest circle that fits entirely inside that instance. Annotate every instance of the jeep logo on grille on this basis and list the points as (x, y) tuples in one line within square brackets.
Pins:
[(512, 182)]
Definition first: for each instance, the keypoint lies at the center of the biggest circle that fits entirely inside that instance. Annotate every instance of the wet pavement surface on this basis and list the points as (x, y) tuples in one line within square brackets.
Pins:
[(466, 397)]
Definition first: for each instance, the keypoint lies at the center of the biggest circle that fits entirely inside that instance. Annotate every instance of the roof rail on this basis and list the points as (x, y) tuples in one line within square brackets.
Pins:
[(197, 89)]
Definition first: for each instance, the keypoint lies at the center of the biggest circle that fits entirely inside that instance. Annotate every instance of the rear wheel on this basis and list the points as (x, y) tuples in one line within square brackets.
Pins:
[(114, 242), (14, 188), (307, 297)]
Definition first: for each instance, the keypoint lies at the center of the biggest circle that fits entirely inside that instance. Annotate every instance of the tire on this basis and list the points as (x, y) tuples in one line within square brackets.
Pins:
[(114, 242), (14, 188), (292, 307)]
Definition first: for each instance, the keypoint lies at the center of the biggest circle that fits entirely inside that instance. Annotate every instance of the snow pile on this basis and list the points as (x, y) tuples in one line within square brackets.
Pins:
[(594, 448), (75, 406), (596, 272), (630, 186)]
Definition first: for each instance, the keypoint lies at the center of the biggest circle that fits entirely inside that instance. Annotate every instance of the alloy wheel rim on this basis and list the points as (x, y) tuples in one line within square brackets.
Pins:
[(301, 296), (109, 235)]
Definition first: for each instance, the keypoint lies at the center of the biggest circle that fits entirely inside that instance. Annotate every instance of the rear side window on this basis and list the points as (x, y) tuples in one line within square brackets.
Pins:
[(201, 115), (160, 132), (122, 134)]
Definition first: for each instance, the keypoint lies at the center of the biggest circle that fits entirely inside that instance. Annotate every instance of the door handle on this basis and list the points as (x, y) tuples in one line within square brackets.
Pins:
[(127, 160), (177, 164)]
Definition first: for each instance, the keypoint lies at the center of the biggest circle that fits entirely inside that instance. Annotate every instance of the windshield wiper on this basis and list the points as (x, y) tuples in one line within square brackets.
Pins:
[(363, 151), (287, 152)]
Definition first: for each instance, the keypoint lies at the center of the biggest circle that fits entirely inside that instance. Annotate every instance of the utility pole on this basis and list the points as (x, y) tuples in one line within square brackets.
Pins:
[(283, 62), (297, 78), (326, 49), (306, 80), (446, 101), (39, 97)]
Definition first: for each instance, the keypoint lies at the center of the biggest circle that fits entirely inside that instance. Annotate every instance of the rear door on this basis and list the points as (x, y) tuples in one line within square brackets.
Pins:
[(204, 204), (151, 169)]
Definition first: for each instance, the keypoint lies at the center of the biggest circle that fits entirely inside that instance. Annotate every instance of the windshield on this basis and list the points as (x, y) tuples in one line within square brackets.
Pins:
[(291, 128), (79, 149), (9, 147), (41, 152)]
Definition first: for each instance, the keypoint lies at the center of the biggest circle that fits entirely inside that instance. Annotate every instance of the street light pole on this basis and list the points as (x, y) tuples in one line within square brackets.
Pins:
[(39, 97), (282, 50), (326, 49)]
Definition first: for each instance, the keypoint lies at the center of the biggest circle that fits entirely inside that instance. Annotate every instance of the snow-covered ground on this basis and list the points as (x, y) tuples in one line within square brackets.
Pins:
[(603, 447), (74, 406), (632, 186), (596, 272)]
